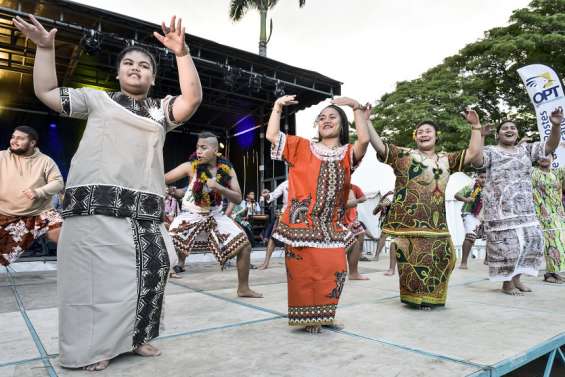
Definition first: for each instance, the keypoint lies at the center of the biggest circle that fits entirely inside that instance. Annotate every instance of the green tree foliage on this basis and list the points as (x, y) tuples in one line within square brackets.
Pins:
[(483, 75)]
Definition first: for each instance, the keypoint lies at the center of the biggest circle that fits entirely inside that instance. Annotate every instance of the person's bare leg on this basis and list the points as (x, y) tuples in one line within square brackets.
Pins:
[(392, 261), (180, 265), (268, 254), (243, 262), (509, 288), (519, 285), (467, 245), (380, 245), (353, 259)]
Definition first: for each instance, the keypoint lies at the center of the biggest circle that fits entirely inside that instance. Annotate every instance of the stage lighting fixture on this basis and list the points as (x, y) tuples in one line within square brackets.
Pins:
[(53, 125), (279, 89), (167, 59), (255, 83), (231, 75), (91, 42)]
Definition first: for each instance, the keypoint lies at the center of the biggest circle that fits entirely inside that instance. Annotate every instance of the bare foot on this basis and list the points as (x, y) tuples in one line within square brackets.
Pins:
[(147, 350), (101, 365), (552, 278), (358, 277), (314, 329), (463, 267), (521, 287), (389, 273), (425, 308), (263, 267), (509, 289), (178, 269), (512, 292), (248, 293), (173, 275)]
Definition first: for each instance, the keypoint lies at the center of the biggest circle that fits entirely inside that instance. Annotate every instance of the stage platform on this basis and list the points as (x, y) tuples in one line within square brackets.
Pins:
[(210, 332)]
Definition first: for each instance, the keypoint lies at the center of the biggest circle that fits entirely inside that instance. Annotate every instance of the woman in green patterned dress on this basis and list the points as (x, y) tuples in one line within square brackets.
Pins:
[(416, 219), (548, 188)]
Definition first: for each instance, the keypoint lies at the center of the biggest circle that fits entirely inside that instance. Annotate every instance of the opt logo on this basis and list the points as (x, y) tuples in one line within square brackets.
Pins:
[(545, 85), (544, 80), (546, 94)]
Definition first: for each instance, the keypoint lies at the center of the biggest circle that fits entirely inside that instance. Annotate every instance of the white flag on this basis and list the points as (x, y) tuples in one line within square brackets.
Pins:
[(546, 93)]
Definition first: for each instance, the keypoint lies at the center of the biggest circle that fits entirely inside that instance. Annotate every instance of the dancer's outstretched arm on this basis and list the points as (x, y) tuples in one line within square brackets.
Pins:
[(361, 124), (274, 126), (178, 173), (44, 71), (191, 90), (475, 148), (374, 137)]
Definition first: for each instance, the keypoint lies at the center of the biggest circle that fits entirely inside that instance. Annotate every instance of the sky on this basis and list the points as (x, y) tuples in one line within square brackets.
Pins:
[(369, 45)]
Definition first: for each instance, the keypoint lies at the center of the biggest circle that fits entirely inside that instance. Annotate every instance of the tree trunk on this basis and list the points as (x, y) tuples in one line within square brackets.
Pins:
[(263, 33)]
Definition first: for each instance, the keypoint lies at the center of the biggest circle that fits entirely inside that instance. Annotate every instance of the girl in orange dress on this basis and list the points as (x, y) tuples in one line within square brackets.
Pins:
[(311, 226)]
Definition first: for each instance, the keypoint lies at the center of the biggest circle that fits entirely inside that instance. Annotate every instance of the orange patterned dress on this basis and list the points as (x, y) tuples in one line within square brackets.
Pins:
[(311, 227)]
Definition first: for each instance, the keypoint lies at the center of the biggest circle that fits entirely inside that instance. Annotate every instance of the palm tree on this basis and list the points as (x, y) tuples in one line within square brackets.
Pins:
[(238, 8)]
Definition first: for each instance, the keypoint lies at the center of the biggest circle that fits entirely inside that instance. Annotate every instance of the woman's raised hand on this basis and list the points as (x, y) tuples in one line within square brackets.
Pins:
[(367, 112), (285, 101), (173, 36), (471, 116), (345, 101), (556, 116), (36, 32)]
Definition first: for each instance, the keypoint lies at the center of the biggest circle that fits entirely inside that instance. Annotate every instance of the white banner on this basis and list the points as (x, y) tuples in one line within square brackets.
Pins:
[(546, 93)]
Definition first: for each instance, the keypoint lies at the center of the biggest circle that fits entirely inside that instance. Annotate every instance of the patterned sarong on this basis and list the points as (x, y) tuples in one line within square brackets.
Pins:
[(356, 228), (18, 233), (213, 231), (514, 251), (315, 280), (474, 228), (424, 267)]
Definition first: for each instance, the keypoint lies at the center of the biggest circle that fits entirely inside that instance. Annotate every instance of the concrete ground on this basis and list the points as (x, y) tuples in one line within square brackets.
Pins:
[(210, 332)]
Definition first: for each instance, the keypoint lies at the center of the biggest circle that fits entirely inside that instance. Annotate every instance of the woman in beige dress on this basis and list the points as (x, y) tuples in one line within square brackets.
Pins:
[(114, 252)]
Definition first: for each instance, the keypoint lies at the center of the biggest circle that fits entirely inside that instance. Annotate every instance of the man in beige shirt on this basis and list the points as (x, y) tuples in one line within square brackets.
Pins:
[(28, 180)]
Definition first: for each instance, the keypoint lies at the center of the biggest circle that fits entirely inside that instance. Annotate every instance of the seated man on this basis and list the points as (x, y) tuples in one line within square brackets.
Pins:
[(201, 222), (28, 180), (251, 205)]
